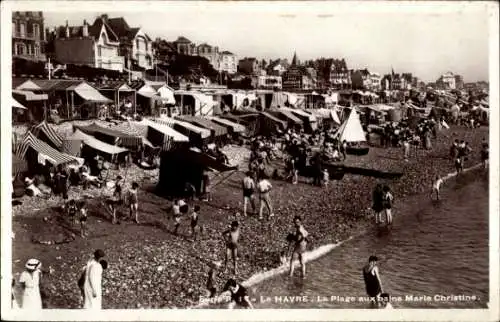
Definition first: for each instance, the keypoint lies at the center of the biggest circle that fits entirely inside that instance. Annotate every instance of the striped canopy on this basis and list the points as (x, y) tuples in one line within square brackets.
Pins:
[(46, 133), (50, 154)]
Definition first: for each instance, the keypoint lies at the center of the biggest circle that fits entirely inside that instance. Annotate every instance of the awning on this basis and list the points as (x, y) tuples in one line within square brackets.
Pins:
[(136, 134), (30, 96), (95, 143), (93, 128), (204, 133), (289, 115), (274, 119), (92, 95), (46, 133), (234, 126), (207, 160), (146, 94), (44, 150), (299, 112), (166, 130), (16, 104), (217, 130)]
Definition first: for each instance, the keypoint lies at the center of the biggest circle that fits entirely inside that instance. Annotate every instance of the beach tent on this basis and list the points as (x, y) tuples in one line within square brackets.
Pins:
[(286, 116), (46, 133), (351, 130), (215, 129), (96, 144), (109, 135), (185, 128), (43, 151), (202, 104), (163, 135), (135, 134), (16, 104), (234, 127), (167, 94), (310, 121)]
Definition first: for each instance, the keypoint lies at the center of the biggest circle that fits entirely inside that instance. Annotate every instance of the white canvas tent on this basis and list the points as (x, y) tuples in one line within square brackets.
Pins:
[(16, 104), (351, 130)]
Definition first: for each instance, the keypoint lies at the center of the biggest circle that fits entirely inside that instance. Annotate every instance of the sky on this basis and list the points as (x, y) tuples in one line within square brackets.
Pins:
[(427, 41)]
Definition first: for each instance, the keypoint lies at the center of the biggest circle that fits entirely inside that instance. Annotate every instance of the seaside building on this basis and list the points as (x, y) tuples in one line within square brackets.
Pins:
[(277, 67), (93, 45), (184, 46), (446, 81), (28, 38), (249, 66), (267, 82), (297, 77), (228, 62), (340, 76), (135, 45), (211, 53), (375, 81)]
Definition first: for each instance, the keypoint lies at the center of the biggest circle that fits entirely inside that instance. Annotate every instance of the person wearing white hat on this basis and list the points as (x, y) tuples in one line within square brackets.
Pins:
[(92, 286), (30, 284)]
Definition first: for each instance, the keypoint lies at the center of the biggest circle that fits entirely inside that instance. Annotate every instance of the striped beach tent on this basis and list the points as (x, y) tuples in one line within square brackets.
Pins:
[(45, 151), (46, 133)]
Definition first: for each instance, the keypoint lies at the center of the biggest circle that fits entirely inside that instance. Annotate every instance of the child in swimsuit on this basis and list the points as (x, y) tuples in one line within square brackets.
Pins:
[(231, 237), (72, 210), (117, 198), (176, 214), (134, 202), (436, 186), (214, 267), (194, 221)]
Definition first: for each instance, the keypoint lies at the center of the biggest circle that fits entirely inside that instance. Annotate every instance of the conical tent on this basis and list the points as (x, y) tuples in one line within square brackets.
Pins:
[(351, 130)]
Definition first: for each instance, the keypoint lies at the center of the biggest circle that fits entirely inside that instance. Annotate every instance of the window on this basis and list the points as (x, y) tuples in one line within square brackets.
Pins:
[(104, 38), (21, 49), (36, 50), (14, 27), (99, 50), (22, 29), (36, 30)]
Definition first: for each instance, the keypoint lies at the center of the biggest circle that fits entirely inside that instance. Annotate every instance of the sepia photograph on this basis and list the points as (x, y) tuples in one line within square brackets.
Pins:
[(249, 155)]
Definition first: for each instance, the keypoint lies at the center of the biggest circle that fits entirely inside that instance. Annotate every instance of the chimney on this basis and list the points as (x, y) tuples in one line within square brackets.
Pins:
[(67, 29), (85, 29)]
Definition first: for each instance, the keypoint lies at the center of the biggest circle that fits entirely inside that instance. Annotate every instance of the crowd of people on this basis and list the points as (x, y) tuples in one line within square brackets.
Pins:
[(299, 151)]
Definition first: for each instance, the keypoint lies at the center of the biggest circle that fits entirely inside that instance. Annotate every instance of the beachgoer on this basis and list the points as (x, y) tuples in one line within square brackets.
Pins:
[(248, 185), (134, 202), (92, 286), (484, 154), (116, 199), (386, 301), (459, 165), (231, 237), (436, 185), (264, 187), (406, 147), (195, 216), (377, 203), (343, 149), (83, 216), (206, 187), (388, 200), (454, 149), (326, 178), (177, 214), (72, 210), (30, 285), (372, 280), (214, 268), (14, 304), (239, 295), (299, 245)]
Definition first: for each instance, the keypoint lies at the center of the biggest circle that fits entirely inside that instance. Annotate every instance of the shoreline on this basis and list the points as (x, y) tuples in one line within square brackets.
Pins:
[(309, 256)]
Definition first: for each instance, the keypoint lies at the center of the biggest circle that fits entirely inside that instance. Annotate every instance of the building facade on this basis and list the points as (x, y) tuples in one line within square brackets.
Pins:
[(135, 45), (249, 66), (184, 46), (28, 36), (277, 67), (340, 76), (446, 81), (211, 53), (95, 46), (228, 62), (375, 81), (267, 82), (459, 82)]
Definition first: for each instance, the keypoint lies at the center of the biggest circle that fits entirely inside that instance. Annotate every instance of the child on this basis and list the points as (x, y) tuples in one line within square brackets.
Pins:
[(436, 186), (214, 267), (388, 199), (116, 200), (231, 237), (134, 202), (176, 214), (326, 178), (72, 210), (458, 165), (83, 218), (386, 301), (194, 221)]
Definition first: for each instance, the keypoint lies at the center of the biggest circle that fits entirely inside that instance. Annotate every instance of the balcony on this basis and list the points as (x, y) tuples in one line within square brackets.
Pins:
[(26, 35), (40, 57)]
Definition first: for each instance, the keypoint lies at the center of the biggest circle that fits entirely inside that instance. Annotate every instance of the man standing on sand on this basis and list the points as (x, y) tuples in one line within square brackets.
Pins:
[(264, 187), (372, 280), (92, 287), (231, 237), (248, 186), (436, 186)]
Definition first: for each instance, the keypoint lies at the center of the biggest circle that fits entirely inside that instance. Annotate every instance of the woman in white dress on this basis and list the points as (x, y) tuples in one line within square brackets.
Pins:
[(92, 290), (30, 284)]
